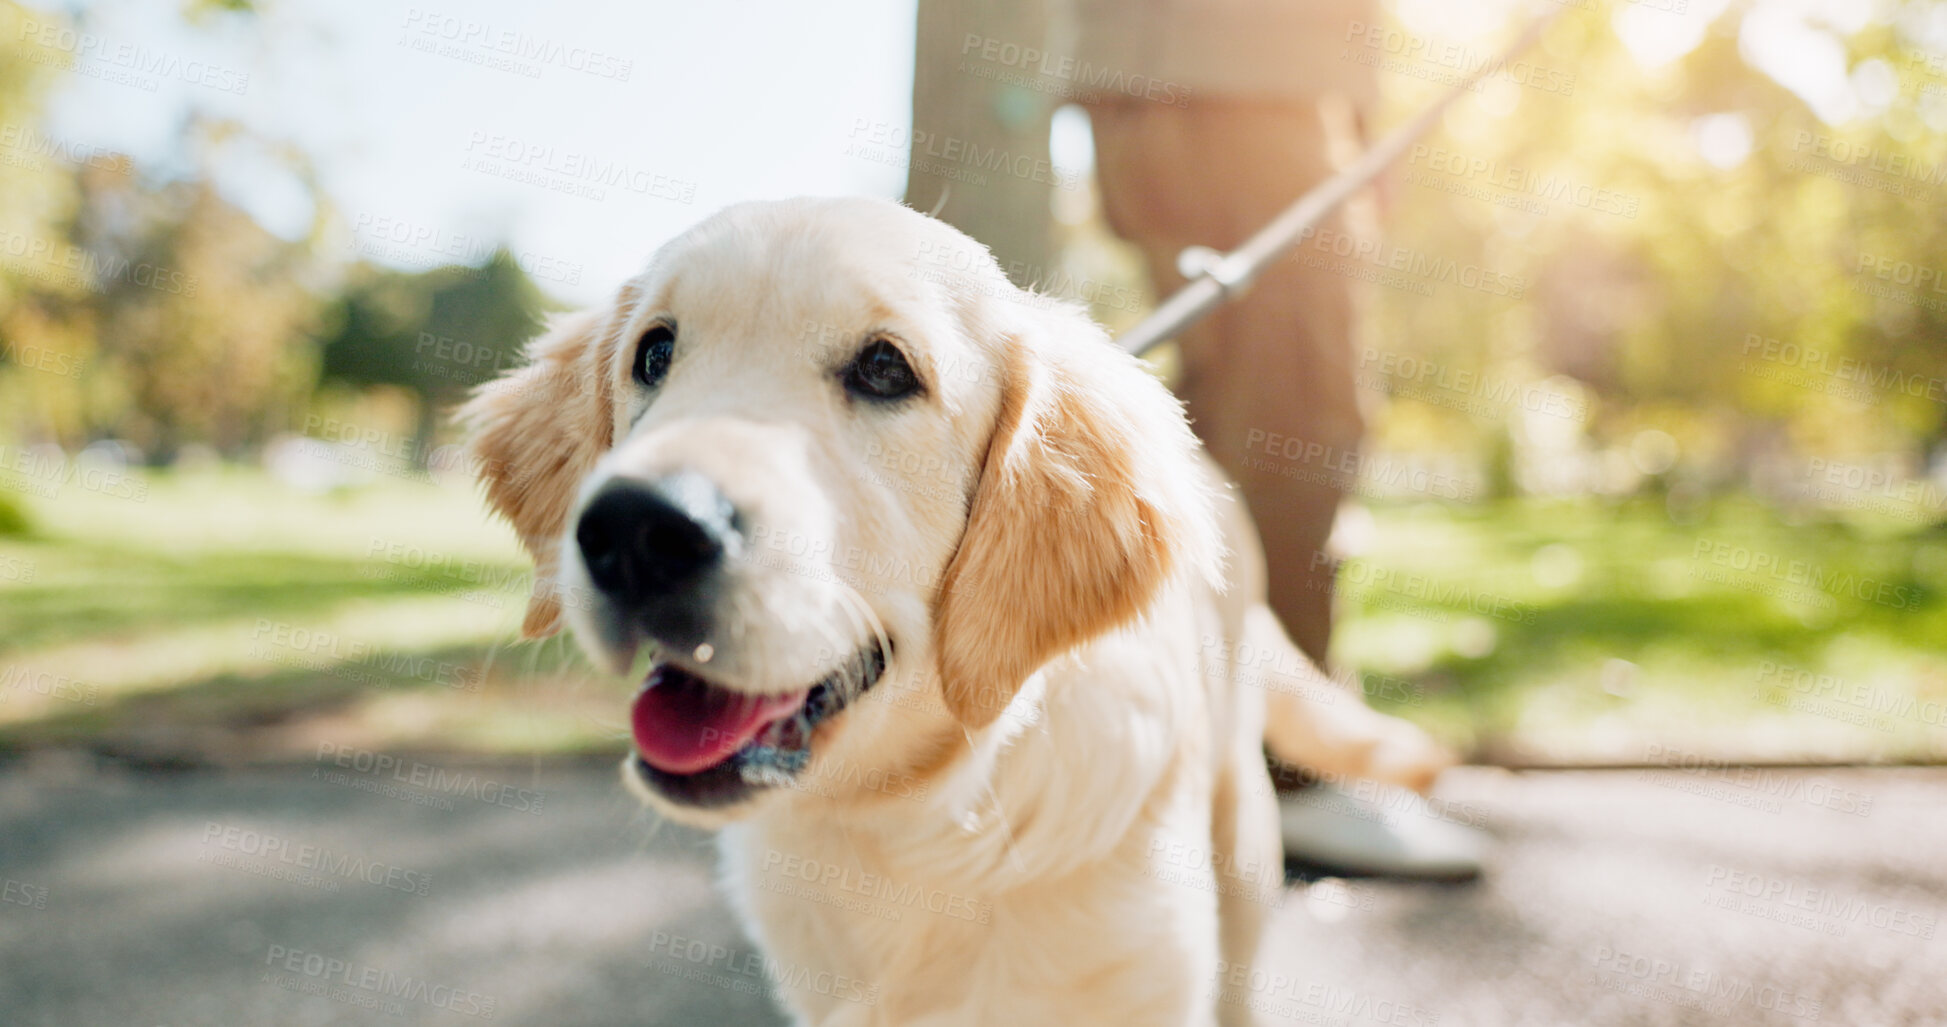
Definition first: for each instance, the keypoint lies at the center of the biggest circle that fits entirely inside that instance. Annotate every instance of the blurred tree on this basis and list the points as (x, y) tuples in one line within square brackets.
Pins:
[(1684, 248), (202, 315), (203, 10), (44, 334), (955, 109), (437, 333), (154, 310)]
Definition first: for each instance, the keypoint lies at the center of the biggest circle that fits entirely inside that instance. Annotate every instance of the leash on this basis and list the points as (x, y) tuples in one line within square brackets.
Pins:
[(1223, 277)]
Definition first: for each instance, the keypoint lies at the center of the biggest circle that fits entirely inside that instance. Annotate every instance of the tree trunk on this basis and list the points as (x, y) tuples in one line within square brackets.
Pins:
[(962, 113)]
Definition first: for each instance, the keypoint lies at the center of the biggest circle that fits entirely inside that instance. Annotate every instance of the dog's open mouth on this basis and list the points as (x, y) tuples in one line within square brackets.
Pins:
[(700, 743)]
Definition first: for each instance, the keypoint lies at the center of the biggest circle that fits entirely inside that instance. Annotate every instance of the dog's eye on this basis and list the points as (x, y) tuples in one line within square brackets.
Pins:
[(652, 355), (881, 372)]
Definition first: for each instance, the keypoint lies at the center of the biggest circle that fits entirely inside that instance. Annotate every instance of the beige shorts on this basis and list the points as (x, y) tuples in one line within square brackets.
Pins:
[(1173, 51)]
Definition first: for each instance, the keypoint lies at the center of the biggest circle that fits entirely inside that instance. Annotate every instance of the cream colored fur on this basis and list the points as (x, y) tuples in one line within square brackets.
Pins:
[(1054, 808)]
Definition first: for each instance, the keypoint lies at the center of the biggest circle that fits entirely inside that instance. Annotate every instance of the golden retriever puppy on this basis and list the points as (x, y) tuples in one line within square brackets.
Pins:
[(925, 581)]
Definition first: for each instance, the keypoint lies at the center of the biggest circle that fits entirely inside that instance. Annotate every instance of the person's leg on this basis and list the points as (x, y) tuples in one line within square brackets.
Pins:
[(1268, 379)]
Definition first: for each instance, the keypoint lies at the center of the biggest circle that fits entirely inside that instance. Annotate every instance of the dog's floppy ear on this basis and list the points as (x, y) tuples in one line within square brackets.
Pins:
[(535, 433), (1090, 499)]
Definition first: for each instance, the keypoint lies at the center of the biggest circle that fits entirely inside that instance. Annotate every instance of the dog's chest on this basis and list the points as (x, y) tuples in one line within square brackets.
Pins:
[(921, 944)]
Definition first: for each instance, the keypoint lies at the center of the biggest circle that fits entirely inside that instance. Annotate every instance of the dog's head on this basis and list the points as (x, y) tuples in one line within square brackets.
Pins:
[(842, 487)]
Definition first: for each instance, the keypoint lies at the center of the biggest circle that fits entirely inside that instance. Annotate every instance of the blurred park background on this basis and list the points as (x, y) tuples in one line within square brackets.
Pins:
[(1656, 354)]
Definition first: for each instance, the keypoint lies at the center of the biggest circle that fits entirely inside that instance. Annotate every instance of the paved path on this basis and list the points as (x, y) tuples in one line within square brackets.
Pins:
[(546, 896)]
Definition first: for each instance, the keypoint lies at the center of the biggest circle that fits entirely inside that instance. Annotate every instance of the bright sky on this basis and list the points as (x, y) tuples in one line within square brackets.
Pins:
[(722, 102), (431, 153)]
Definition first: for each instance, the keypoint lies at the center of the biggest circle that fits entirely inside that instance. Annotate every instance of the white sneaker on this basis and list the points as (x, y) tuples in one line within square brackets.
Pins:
[(1384, 831)]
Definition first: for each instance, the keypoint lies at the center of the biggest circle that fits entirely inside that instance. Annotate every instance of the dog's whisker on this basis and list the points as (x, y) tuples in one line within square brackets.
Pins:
[(854, 672)]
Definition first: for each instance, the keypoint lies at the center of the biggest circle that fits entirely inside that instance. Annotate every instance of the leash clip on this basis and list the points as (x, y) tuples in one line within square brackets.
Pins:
[(1230, 274)]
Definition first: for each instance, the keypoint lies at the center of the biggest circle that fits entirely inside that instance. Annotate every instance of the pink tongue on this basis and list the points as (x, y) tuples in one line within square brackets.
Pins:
[(683, 724)]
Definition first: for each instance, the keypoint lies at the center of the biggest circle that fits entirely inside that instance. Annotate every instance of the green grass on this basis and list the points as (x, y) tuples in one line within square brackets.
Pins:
[(1582, 630), (224, 615)]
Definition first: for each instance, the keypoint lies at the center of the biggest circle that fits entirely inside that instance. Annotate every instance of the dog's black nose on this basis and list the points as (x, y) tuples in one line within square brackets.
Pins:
[(648, 542)]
